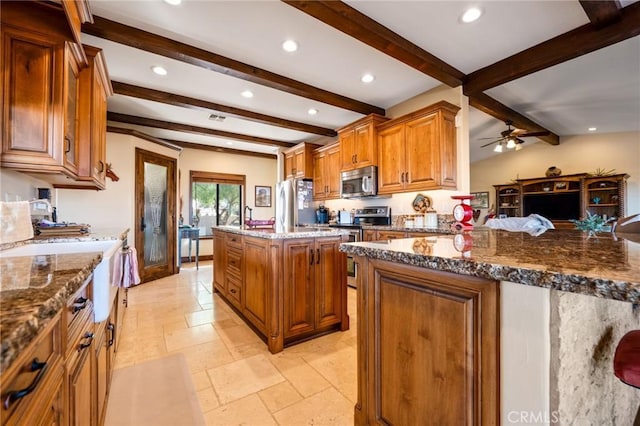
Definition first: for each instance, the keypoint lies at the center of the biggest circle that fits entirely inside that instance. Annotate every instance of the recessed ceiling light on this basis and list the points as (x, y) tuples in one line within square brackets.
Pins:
[(247, 94), (173, 2), (592, 129), (312, 111), (367, 78), (289, 46), (471, 14), (159, 70)]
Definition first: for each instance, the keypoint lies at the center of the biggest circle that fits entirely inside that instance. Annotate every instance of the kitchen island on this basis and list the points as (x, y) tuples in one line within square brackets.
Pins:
[(489, 327), (288, 285)]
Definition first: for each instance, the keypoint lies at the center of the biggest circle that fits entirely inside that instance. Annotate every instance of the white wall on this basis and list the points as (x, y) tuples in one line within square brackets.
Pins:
[(441, 199), (258, 171), (16, 186), (575, 154)]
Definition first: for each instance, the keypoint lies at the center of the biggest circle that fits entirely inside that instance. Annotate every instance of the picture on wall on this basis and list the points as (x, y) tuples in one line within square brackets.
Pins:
[(480, 200), (263, 196)]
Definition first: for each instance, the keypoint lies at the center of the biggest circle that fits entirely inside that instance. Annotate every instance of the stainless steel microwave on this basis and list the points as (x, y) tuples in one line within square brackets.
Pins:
[(359, 183)]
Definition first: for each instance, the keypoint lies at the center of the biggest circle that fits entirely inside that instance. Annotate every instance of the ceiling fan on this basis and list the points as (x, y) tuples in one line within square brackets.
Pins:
[(511, 138)]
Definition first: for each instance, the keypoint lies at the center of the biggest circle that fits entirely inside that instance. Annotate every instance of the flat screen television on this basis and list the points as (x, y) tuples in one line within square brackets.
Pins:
[(562, 206)]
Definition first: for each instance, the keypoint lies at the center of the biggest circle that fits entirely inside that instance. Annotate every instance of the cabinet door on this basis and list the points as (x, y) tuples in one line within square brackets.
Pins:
[(299, 169), (347, 149), (289, 166), (329, 284), (99, 133), (391, 170), (71, 104), (299, 295), (432, 346), (369, 235), (31, 99), (80, 394), (219, 262), (102, 374), (256, 281), (421, 144), (332, 173), (365, 144), (319, 173)]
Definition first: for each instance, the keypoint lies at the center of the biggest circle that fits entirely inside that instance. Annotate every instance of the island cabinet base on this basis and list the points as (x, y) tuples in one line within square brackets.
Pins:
[(428, 347), (286, 290)]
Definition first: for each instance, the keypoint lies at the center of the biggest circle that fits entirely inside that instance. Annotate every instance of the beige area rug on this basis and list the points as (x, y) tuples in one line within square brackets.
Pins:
[(157, 392)]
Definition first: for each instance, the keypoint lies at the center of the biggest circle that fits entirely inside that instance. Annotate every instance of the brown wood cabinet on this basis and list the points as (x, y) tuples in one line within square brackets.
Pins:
[(605, 195), (326, 173), (358, 142), (94, 89), (418, 151), (291, 289), (428, 347), (39, 90), (379, 235), (298, 161), (40, 365)]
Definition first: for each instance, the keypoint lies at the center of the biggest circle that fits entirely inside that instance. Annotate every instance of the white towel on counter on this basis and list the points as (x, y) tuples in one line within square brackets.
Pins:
[(534, 224), (15, 221), (125, 269)]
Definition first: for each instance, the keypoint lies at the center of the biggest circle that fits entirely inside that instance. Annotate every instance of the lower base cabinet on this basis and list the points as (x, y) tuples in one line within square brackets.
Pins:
[(290, 289), (428, 347)]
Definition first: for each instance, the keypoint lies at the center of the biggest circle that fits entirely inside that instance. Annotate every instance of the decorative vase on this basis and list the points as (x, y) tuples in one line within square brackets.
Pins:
[(553, 171)]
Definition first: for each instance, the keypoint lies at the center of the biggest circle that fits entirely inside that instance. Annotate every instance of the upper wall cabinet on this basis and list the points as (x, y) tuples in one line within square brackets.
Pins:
[(40, 90), (326, 172), (418, 151), (95, 88), (358, 143), (298, 161)]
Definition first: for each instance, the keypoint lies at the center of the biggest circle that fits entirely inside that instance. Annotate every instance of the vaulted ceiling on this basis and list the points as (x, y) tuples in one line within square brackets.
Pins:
[(558, 67)]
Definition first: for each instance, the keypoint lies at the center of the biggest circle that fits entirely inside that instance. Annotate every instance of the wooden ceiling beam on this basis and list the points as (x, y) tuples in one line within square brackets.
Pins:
[(179, 127), (488, 105), (601, 12), (142, 135), (350, 21), (570, 45), (143, 40), (192, 145), (126, 89)]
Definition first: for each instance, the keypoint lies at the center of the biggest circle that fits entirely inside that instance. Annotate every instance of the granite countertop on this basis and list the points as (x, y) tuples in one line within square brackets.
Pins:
[(35, 288), (283, 234), (565, 260)]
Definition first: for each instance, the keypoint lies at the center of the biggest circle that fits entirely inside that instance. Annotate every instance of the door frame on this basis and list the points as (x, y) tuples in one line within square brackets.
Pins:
[(142, 156)]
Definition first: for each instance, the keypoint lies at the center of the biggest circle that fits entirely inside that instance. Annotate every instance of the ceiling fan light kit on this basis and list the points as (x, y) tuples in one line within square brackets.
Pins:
[(511, 138)]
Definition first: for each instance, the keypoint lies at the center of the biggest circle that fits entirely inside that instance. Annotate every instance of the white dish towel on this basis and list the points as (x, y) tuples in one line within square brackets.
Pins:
[(534, 224)]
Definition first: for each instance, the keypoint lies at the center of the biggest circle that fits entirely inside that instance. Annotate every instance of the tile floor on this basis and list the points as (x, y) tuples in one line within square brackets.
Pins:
[(238, 381)]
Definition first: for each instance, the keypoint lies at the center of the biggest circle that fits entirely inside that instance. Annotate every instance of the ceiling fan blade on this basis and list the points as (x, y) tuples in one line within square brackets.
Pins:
[(485, 139), (491, 143), (524, 135)]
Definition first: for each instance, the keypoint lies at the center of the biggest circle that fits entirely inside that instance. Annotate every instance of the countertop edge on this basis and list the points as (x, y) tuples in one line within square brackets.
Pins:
[(573, 283)]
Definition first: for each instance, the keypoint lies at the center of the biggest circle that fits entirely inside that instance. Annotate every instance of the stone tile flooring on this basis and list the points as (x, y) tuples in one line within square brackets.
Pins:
[(237, 379)]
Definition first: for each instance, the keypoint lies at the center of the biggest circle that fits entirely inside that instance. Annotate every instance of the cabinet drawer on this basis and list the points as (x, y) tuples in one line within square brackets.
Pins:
[(234, 287), (234, 241), (77, 305), (47, 348), (80, 335), (234, 263)]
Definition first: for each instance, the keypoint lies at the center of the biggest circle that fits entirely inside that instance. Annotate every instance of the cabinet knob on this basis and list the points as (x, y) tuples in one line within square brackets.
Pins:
[(233, 290)]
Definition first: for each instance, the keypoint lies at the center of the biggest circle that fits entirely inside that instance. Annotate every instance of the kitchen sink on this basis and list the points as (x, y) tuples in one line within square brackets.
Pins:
[(103, 292)]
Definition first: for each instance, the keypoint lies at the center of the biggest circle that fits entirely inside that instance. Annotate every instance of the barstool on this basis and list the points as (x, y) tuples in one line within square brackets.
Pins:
[(192, 234), (626, 363)]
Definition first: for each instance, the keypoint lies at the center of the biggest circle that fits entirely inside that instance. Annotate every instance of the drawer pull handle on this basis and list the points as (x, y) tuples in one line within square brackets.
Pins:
[(15, 395), (311, 261), (112, 329), (79, 304), (87, 335), (317, 256)]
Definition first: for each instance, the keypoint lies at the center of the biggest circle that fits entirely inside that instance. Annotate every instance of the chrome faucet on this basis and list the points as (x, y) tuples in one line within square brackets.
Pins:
[(250, 211)]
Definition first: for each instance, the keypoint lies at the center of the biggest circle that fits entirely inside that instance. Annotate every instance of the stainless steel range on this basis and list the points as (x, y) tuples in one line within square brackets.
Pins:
[(363, 216)]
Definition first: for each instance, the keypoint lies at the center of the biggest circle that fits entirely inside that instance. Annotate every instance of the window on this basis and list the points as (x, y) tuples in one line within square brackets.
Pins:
[(216, 200)]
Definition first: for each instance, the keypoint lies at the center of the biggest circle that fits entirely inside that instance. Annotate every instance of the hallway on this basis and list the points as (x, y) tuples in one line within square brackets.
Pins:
[(237, 380)]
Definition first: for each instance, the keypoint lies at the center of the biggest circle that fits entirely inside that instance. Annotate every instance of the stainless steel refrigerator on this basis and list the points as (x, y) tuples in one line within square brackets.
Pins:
[(294, 203)]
